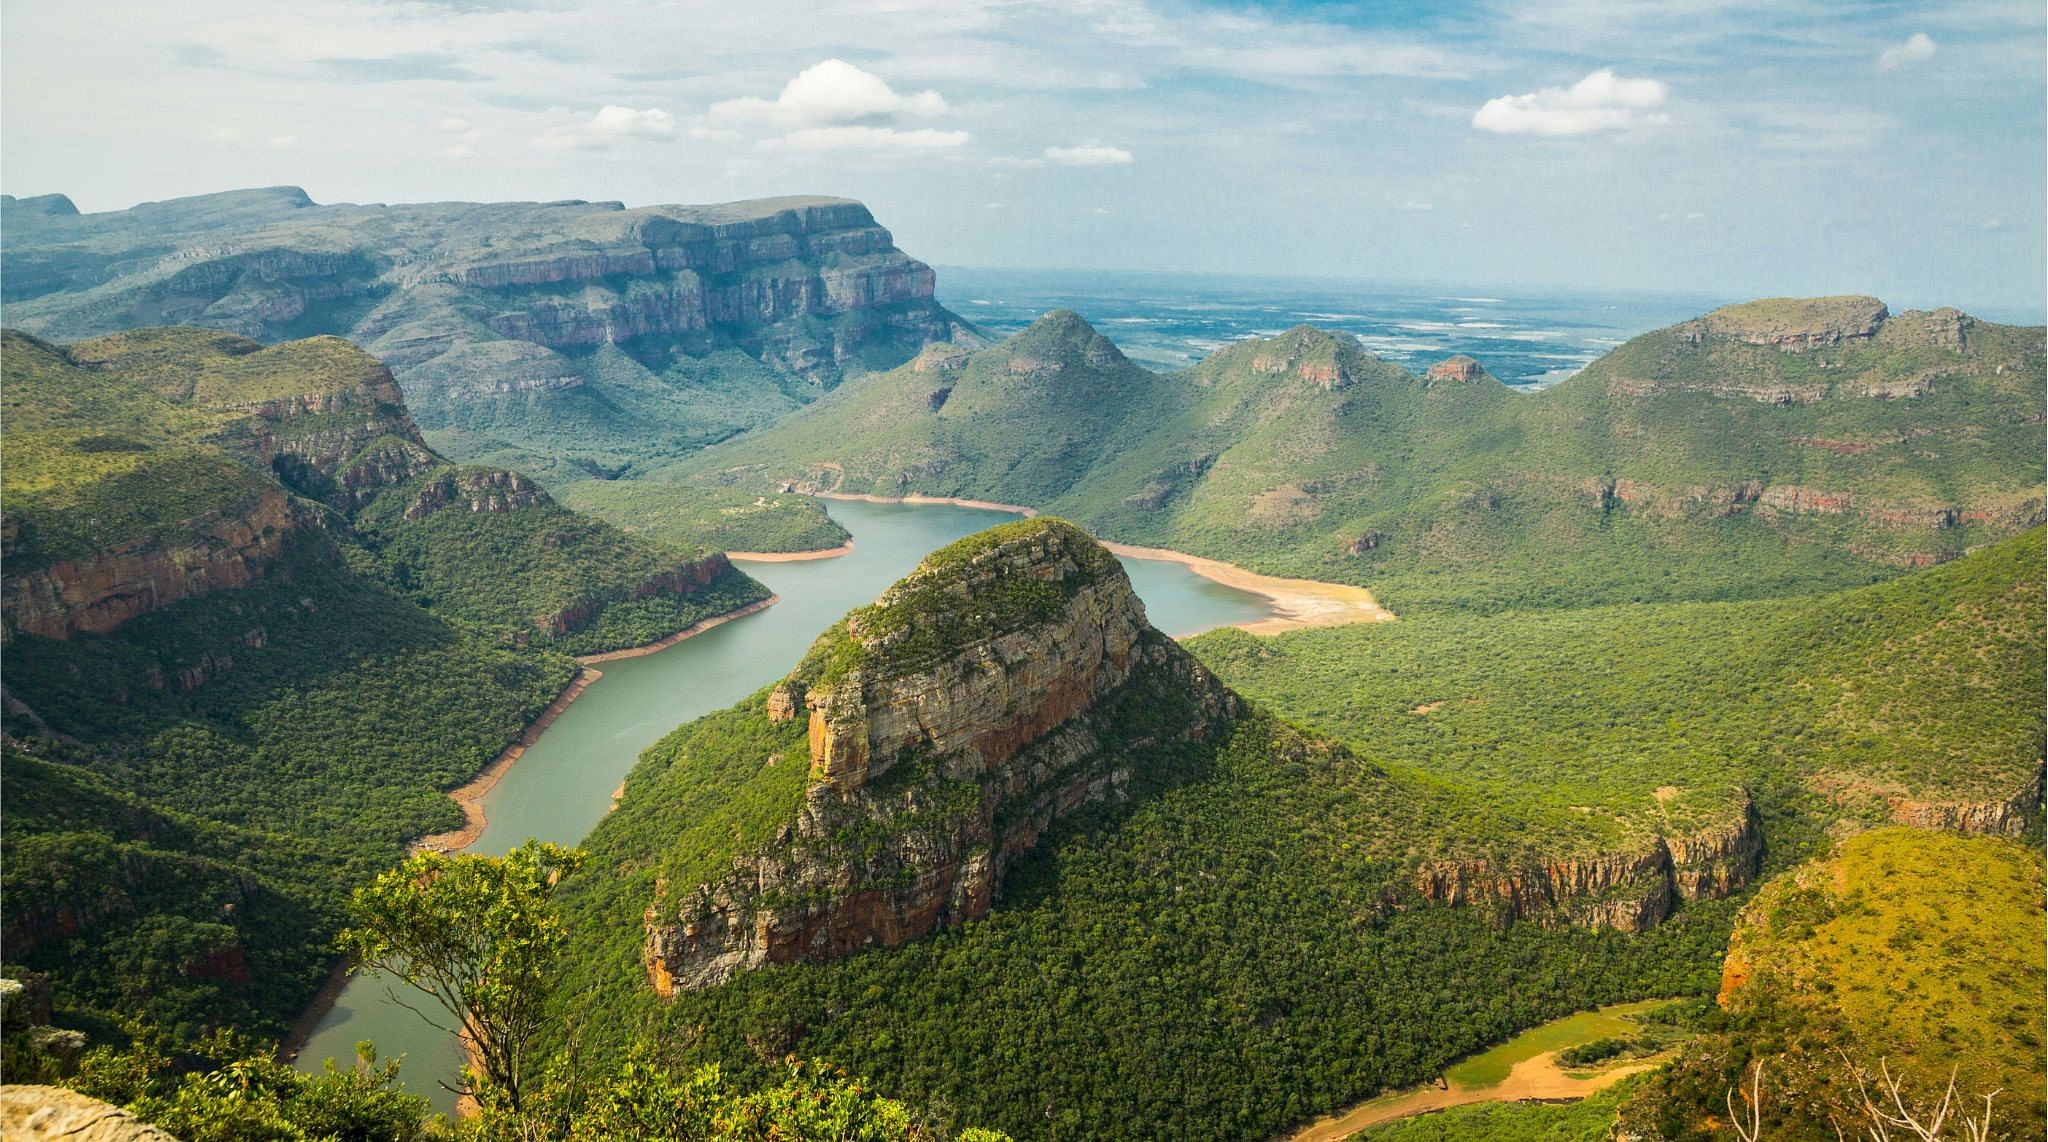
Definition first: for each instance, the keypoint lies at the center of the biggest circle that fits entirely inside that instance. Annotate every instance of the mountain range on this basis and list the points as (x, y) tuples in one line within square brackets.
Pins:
[(566, 339)]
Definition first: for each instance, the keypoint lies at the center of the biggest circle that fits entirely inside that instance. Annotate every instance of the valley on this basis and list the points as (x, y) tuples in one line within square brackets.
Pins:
[(1139, 816)]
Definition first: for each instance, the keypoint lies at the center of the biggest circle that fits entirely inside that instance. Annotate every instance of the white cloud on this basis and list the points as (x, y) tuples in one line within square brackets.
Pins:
[(1087, 155), (828, 94), (705, 134), (1418, 207), (1918, 46), (233, 137), (611, 124), (859, 137), (1603, 101)]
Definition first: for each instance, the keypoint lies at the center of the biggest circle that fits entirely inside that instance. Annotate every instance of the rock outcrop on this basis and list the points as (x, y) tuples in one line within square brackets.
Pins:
[(50, 1113), (98, 592), (950, 725), (1630, 891), (1796, 324), (470, 302), (1999, 816)]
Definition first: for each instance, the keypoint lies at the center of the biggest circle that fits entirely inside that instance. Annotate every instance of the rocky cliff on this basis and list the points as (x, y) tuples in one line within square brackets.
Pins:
[(475, 303), (950, 726), (227, 547), (1629, 890)]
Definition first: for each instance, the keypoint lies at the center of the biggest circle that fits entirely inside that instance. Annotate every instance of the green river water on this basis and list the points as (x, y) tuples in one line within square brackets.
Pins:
[(563, 784)]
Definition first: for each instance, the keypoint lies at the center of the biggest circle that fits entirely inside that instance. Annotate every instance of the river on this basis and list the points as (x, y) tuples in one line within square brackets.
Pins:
[(563, 784)]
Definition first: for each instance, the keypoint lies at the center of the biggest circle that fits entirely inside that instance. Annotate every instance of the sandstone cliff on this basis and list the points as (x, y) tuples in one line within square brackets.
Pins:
[(1629, 890), (474, 303), (950, 726)]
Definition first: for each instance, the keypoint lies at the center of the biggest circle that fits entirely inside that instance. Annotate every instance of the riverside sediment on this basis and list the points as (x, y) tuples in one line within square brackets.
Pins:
[(1302, 603)]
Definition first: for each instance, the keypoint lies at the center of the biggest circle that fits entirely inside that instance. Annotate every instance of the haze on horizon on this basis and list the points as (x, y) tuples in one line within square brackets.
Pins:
[(1695, 146)]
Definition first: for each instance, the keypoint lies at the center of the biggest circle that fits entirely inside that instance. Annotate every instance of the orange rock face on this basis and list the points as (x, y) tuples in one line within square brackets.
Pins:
[(956, 763), (101, 591)]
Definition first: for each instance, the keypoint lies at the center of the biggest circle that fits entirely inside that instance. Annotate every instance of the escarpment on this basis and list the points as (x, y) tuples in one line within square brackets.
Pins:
[(222, 548), (1009, 683), (1630, 890), (473, 303)]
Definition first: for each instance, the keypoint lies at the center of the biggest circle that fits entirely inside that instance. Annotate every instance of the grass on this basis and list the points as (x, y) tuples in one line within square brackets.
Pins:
[(691, 517), (1491, 1067)]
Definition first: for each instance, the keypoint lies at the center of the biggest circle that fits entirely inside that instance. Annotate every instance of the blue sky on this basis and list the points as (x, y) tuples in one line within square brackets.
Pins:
[(1698, 146)]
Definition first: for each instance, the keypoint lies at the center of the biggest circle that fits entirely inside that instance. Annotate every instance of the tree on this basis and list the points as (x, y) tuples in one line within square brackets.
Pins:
[(479, 937)]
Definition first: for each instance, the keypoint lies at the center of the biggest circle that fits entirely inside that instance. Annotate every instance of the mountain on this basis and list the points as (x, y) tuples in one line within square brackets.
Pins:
[(254, 627), (998, 845), (1765, 448), (570, 339)]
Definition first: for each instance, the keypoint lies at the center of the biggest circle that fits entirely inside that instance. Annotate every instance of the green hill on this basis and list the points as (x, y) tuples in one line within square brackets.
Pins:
[(1761, 450), (683, 515), (1529, 815), (254, 628), (1903, 950)]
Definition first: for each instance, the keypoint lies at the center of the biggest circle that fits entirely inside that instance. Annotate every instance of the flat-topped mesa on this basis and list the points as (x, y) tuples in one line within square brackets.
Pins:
[(1796, 323), (950, 725)]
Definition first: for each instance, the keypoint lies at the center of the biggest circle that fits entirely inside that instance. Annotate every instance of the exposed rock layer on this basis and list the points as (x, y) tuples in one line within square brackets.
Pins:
[(930, 772)]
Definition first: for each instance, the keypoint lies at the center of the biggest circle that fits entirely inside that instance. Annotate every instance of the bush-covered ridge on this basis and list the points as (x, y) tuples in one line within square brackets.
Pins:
[(1691, 463), (1917, 950), (692, 517)]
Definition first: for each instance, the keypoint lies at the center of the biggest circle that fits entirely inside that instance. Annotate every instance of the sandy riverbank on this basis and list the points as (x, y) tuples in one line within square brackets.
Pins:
[(1532, 1080), (914, 498), (691, 631), (790, 556), (1300, 602)]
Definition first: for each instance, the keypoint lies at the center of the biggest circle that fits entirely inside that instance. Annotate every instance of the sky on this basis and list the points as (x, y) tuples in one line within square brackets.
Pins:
[(1697, 146)]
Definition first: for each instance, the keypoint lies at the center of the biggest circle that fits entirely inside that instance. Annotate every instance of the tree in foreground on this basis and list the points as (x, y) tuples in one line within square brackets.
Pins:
[(478, 936)]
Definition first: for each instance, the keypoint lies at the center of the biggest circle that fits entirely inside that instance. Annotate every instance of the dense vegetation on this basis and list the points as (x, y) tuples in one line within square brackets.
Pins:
[(530, 572), (191, 794), (1688, 464), (187, 853), (1216, 962), (1905, 950), (1926, 688), (691, 517), (1588, 1120)]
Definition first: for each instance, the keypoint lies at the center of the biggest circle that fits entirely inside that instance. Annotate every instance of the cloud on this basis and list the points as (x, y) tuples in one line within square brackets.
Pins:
[(235, 137), (1918, 46), (1603, 101), (1090, 154), (829, 94), (859, 137), (398, 68), (1415, 207), (611, 124)]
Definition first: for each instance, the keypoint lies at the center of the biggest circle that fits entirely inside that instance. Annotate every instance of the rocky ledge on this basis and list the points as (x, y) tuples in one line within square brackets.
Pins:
[(98, 592), (950, 726), (1630, 891)]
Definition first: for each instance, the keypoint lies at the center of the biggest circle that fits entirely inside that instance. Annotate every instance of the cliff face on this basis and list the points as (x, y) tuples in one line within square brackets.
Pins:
[(2004, 816), (1629, 891), (98, 592), (936, 760), (472, 303)]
